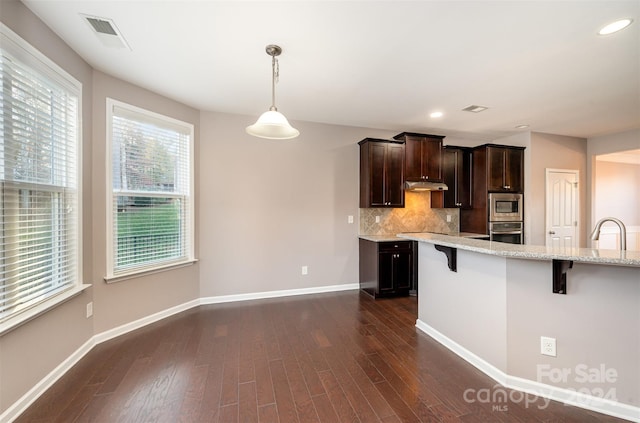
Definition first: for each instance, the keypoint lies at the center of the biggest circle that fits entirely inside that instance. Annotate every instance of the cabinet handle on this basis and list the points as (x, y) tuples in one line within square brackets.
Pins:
[(507, 187), (552, 232)]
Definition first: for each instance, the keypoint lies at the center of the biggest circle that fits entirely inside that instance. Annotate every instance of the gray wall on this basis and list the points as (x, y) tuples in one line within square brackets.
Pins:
[(549, 151), (269, 207), (119, 303), (63, 330), (468, 306), (596, 323), (498, 308)]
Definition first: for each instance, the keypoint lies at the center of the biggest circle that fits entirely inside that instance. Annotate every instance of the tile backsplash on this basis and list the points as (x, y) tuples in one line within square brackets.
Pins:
[(416, 216)]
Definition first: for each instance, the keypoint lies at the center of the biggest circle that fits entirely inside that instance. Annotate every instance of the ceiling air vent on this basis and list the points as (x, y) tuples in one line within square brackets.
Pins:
[(474, 109), (102, 26), (106, 31)]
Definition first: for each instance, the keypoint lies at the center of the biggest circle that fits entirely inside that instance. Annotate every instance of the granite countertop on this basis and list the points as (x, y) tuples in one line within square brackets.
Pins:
[(534, 252), (381, 238), (391, 238)]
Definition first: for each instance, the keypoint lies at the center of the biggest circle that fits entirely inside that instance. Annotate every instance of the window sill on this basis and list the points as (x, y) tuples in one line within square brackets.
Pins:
[(140, 273), (41, 308)]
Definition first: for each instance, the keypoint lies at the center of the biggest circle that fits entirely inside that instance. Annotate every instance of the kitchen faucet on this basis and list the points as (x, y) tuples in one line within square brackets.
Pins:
[(595, 235)]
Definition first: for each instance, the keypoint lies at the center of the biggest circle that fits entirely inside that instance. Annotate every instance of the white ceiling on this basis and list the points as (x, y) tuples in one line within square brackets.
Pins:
[(378, 64)]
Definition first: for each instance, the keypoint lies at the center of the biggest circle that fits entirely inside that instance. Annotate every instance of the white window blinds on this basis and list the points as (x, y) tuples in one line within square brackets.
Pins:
[(39, 227), (151, 204)]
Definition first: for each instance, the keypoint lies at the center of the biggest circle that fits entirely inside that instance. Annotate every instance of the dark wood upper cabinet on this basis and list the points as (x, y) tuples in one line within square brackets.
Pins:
[(423, 154), (495, 168), (381, 173), (504, 168), (456, 172)]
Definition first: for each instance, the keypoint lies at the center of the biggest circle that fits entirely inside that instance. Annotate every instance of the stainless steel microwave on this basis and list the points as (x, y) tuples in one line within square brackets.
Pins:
[(505, 207)]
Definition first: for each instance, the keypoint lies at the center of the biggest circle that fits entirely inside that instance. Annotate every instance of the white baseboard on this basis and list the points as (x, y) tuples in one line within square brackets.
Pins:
[(39, 388), (17, 408), (136, 324), (479, 363), (275, 294), (567, 396)]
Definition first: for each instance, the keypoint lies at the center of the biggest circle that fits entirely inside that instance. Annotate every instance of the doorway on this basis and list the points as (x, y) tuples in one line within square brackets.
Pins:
[(616, 193), (562, 208)]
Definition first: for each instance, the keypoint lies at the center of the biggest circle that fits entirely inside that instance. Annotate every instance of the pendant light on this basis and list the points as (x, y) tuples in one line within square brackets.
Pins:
[(272, 124)]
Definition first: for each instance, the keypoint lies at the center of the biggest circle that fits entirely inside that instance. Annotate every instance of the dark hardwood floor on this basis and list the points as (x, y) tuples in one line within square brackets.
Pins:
[(337, 357)]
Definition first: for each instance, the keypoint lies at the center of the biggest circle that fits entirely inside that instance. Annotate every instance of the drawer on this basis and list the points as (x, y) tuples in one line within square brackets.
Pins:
[(395, 246)]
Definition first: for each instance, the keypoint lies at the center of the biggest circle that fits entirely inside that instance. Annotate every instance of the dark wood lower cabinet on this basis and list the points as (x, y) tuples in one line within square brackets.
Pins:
[(387, 268)]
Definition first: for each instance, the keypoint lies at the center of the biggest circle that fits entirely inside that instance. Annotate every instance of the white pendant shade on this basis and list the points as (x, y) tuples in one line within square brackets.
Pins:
[(272, 125)]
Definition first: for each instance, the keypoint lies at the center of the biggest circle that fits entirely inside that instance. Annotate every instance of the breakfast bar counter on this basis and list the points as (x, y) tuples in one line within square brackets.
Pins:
[(491, 303), (534, 252)]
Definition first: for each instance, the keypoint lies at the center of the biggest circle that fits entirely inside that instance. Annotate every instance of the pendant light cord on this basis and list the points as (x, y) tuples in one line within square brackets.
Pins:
[(275, 75)]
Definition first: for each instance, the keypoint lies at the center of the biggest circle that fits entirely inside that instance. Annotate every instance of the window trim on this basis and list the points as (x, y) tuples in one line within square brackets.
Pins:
[(145, 272), (111, 275), (42, 307), (40, 63)]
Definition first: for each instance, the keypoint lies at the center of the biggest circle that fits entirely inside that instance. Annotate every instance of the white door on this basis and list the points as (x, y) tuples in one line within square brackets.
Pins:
[(562, 208)]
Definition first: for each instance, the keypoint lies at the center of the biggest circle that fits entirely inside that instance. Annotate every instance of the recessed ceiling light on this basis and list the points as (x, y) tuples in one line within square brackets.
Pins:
[(522, 126), (474, 108), (436, 115), (615, 26)]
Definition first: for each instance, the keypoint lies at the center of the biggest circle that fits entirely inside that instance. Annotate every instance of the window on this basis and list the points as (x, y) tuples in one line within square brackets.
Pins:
[(39, 178), (150, 224)]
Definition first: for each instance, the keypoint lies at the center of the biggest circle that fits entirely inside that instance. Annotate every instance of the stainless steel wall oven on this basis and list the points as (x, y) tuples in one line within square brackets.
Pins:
[(510, 232), (506, 217)]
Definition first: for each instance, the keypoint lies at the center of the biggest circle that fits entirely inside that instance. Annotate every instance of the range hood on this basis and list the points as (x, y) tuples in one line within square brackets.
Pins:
[(425, 186)]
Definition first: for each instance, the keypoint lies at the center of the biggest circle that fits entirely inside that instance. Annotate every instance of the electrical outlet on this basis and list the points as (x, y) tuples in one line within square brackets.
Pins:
[(377, 219), (305, 270), (448, 218), (89, 309), (548, 346), (350, 219)]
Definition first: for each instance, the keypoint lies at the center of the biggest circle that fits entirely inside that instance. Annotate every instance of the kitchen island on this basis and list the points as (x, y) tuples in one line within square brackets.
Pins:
[(491, 303)]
